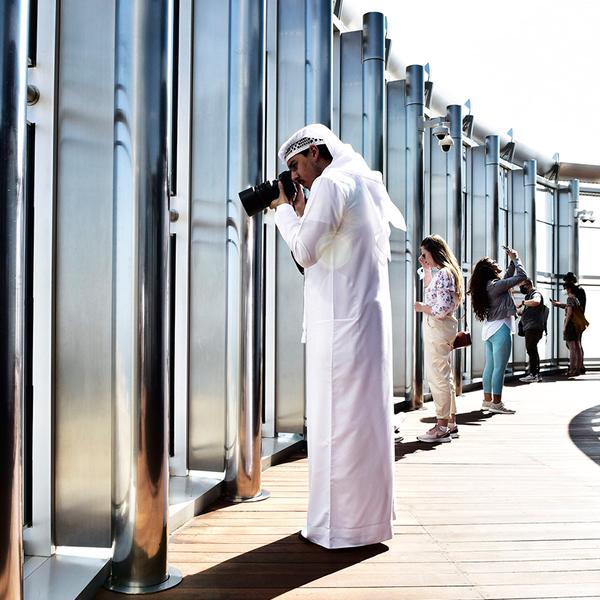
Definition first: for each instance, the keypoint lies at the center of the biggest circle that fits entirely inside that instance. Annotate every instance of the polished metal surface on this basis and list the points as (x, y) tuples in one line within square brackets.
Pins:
[(415, 208), (402, 264), (14, 16), (529, 182), (456, 217), (81, 360), (319, 49), (174, 577), (140, 342), (244, 372), (373, 88), (289, 361), (492, 192), (351, 84), (480, 219), (573, 244), (208, 250)]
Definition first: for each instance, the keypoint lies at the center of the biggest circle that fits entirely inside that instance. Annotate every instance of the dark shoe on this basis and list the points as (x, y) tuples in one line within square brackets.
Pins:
[(453, 431)]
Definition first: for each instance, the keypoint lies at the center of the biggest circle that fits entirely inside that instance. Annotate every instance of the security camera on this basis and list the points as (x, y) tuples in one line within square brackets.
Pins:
[(446, 143), (440, 131)]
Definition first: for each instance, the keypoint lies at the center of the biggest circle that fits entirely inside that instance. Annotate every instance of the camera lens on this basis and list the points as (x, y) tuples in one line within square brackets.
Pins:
[(256, 199)]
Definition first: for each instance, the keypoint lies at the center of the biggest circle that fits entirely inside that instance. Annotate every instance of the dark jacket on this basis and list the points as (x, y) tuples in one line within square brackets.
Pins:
[(534, 317), (502, 304)]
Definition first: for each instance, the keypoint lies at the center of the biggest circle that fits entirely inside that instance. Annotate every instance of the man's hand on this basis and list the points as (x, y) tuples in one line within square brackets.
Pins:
[(299, 202), (512, 254), (282, 199)]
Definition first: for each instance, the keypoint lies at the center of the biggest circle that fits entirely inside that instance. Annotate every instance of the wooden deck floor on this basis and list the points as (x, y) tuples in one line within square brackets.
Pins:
[(509, 510)]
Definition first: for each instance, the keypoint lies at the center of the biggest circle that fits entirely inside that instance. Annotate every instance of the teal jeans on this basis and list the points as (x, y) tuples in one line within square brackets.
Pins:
[(497, 353)]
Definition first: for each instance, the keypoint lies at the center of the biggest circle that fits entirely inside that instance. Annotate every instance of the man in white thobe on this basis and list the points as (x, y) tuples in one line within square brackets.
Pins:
[(341, 238)]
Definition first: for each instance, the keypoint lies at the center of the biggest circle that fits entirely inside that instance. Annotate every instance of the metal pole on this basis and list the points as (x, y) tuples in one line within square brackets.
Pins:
[(529, 182), (415, 203), (574, 227), (492, 194), (140, 322), (373, 88), (455, 210), (244, 254), (319, 65), (14, 19)]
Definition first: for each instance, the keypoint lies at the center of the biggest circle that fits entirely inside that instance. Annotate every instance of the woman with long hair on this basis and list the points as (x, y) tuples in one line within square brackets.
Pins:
[(443, 292), (570, 334), (493, 304)]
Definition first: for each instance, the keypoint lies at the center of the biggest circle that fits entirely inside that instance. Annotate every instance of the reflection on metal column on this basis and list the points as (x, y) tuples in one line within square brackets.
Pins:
[(492, 194), (529, 182), (244, 254), (401, 267), (573, 227), (140, 343), (373, 88), (415, 98), (319, 49), (14, 16), (455, 216)]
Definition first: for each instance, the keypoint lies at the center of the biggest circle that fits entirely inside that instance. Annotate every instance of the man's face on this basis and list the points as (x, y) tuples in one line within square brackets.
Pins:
[(305, 169)]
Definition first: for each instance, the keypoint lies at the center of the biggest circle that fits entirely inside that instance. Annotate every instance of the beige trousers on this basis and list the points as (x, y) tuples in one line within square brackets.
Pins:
[(438, 335)]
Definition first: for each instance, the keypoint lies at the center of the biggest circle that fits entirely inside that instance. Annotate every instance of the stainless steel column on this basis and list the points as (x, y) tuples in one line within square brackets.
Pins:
[(14, 18), (373, 88), (244, 254), (455, 217), (319, 52), (415, 99), (140, 287), (492, 194), (529, 183), (574, 227)]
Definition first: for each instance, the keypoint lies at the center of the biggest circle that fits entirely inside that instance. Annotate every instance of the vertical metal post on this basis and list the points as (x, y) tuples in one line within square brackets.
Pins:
[(140, 327), (492, 194), (373, 88), (14, 18), (244, 254), (319, 52), (574, 227), (455, 213), (529, 183), (415, 203)]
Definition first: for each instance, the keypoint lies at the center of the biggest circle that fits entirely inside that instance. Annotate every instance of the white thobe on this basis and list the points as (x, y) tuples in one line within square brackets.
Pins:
[(342, 241)]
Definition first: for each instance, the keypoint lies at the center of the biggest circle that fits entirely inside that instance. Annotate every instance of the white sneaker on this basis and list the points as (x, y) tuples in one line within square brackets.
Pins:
[(435, 434), (528, 378), (500, 409), (485, 405)]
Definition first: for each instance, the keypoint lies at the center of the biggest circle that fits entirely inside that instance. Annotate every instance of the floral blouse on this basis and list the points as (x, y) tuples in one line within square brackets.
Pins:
[(440, 294)]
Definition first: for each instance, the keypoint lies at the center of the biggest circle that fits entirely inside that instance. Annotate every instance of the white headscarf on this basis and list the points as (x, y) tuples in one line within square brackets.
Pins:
[(344, 159)]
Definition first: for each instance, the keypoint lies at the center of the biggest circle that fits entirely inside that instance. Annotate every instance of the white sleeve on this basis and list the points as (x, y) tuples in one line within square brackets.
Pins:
[(308, 236)]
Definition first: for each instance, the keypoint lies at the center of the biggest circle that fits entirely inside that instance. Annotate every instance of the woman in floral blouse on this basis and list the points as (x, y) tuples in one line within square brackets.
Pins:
[(444, 291)]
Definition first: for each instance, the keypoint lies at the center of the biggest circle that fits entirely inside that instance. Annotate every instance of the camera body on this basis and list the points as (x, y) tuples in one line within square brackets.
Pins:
[(446, 143), (256, 199)]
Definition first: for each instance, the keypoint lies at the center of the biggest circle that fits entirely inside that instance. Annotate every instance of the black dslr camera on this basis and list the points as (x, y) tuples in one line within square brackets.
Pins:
[(256, 199)]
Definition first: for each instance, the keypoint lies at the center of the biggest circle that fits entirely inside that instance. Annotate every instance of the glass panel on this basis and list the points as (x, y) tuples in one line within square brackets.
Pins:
[(589, 242), (544, 205), (543, 240)]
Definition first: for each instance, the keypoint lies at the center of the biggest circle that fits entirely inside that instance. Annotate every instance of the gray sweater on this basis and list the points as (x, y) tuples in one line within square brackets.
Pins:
[(502, 304)]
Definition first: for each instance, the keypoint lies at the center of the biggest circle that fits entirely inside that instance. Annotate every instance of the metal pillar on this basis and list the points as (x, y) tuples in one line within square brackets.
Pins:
[(455, 215), (492, 195), (415, 203), (529, 183), (373, 88), (14, 18), (319, 52), (140, 342), (574, 227), (244, 254)]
